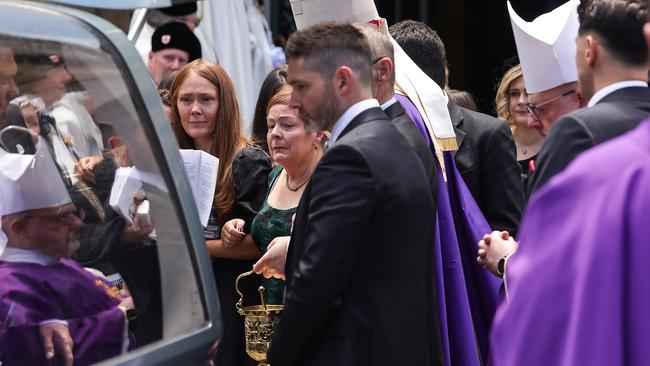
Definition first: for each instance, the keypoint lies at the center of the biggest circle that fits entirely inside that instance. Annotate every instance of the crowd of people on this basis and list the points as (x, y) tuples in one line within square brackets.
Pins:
[(387, 241)]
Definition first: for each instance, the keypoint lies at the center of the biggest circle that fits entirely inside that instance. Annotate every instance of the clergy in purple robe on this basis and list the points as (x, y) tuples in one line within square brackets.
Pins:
[(578, 284), (34, 293), (467, 294), (41, 289)]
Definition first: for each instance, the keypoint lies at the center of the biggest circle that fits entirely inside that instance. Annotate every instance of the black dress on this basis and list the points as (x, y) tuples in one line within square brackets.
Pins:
[(250, 169), (526, 169)]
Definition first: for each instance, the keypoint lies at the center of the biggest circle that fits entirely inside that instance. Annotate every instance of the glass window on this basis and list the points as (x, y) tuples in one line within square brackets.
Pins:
[(69, 84)]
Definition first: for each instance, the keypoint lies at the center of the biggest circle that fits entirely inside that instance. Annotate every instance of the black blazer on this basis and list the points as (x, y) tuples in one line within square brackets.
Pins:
[(405, 125), (357, 290), (487, 161), (612, 116), (407, 128)]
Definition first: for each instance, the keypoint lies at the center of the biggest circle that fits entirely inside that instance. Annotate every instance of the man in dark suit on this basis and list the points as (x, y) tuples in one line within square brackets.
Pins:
[(357, 289), (486, 156), (383, 89), (612, 61)]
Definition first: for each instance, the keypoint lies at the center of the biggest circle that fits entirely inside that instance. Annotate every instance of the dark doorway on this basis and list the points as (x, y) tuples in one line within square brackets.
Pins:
[(477, 35)]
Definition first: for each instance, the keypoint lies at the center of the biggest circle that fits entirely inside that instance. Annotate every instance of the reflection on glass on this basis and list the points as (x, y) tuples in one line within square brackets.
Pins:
[(85, 121)]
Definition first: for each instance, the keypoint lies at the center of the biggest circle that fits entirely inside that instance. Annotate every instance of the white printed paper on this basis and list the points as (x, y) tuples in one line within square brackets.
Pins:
[(201, 169)]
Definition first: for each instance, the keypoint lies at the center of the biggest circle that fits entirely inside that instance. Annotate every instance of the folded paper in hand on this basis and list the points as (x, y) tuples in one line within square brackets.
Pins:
[(201, 169), (125, 187)]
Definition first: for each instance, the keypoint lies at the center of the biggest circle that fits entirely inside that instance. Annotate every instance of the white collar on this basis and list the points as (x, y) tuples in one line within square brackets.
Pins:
[(389, 103), (349, 115), (26, 256), (609, 89)]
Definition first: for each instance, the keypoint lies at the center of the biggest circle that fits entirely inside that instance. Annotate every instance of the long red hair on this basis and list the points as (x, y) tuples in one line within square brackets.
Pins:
[(227, 138)]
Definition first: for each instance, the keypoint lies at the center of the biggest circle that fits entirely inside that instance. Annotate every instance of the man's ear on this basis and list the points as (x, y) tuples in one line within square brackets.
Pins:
[(592, 51), (342, 80), (18, 226), (383, 69)]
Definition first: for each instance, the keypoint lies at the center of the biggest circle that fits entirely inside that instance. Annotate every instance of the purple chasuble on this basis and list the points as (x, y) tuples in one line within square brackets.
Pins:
[(413, 112), (32, 293), (467, 293), (578, 285)]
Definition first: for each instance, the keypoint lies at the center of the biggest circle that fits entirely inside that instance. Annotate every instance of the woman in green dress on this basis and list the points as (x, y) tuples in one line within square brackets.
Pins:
[(296, 149)]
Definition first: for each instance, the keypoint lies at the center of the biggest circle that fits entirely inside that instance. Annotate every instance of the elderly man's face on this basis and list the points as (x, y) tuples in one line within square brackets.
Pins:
[(52, 231), (8, 89), (164, 62), (549, 105)]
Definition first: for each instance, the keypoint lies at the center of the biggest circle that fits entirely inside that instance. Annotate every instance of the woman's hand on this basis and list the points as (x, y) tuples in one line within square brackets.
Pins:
[(86, 167), (272, 262), (494, 247), (232, 233)]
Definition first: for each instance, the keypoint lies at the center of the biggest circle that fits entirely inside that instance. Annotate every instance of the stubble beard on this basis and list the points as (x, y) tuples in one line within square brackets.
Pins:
[(329, 111)]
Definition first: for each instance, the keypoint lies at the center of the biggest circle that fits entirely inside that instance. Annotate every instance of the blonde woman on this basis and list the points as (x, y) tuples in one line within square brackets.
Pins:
[(510, 104)]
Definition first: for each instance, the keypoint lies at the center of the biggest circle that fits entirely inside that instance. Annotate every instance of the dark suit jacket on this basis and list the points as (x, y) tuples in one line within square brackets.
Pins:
[(357, 290), (612, 116), (407, 128), (405, 125), (487, 161)]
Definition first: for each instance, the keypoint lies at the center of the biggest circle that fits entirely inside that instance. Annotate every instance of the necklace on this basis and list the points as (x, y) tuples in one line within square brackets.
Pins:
[(524, 151), (298, 186)]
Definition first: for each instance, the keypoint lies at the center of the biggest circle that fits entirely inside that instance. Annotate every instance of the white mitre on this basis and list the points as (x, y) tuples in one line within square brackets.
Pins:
[(409, 79), (29, 182), (546, 47)]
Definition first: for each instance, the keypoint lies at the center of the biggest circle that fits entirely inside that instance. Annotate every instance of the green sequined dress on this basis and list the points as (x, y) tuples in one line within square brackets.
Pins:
[(268, 225)]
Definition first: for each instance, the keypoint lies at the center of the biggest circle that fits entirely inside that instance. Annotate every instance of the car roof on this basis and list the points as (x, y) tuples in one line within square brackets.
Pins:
[(122, 4)]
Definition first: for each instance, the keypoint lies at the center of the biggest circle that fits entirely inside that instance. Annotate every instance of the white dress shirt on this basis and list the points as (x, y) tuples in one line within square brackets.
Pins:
[(609, 89), (348, 116)]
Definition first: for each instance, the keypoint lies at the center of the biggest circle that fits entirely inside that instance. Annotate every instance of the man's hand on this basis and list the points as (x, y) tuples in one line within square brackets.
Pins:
[(272, 262), (86, 167), (494, 247), (57, 341), (232, 233)]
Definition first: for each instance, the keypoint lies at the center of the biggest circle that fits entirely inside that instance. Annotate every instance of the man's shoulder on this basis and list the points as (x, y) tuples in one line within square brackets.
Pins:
[(479, 123), (480, 117), (23, 274), (367, 132)]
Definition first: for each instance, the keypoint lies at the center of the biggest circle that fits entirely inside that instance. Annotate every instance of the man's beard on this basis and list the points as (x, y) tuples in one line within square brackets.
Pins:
[(326, 114)]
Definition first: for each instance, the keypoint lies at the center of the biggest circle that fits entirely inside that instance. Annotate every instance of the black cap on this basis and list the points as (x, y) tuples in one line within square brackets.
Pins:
[(180, 10), (176, 35)]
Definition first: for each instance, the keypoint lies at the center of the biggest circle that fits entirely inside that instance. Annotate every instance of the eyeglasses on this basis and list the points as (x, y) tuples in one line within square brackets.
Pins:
[(66, 218), (534, 108)]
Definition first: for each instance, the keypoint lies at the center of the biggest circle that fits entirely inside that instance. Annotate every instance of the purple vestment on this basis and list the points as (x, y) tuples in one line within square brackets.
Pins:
[(32, 293), (578, 285), (467, 294)]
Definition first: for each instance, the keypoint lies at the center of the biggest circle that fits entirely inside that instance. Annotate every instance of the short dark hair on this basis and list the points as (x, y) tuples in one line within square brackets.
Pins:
[(618, 24), (424, 47), (328, 45)]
